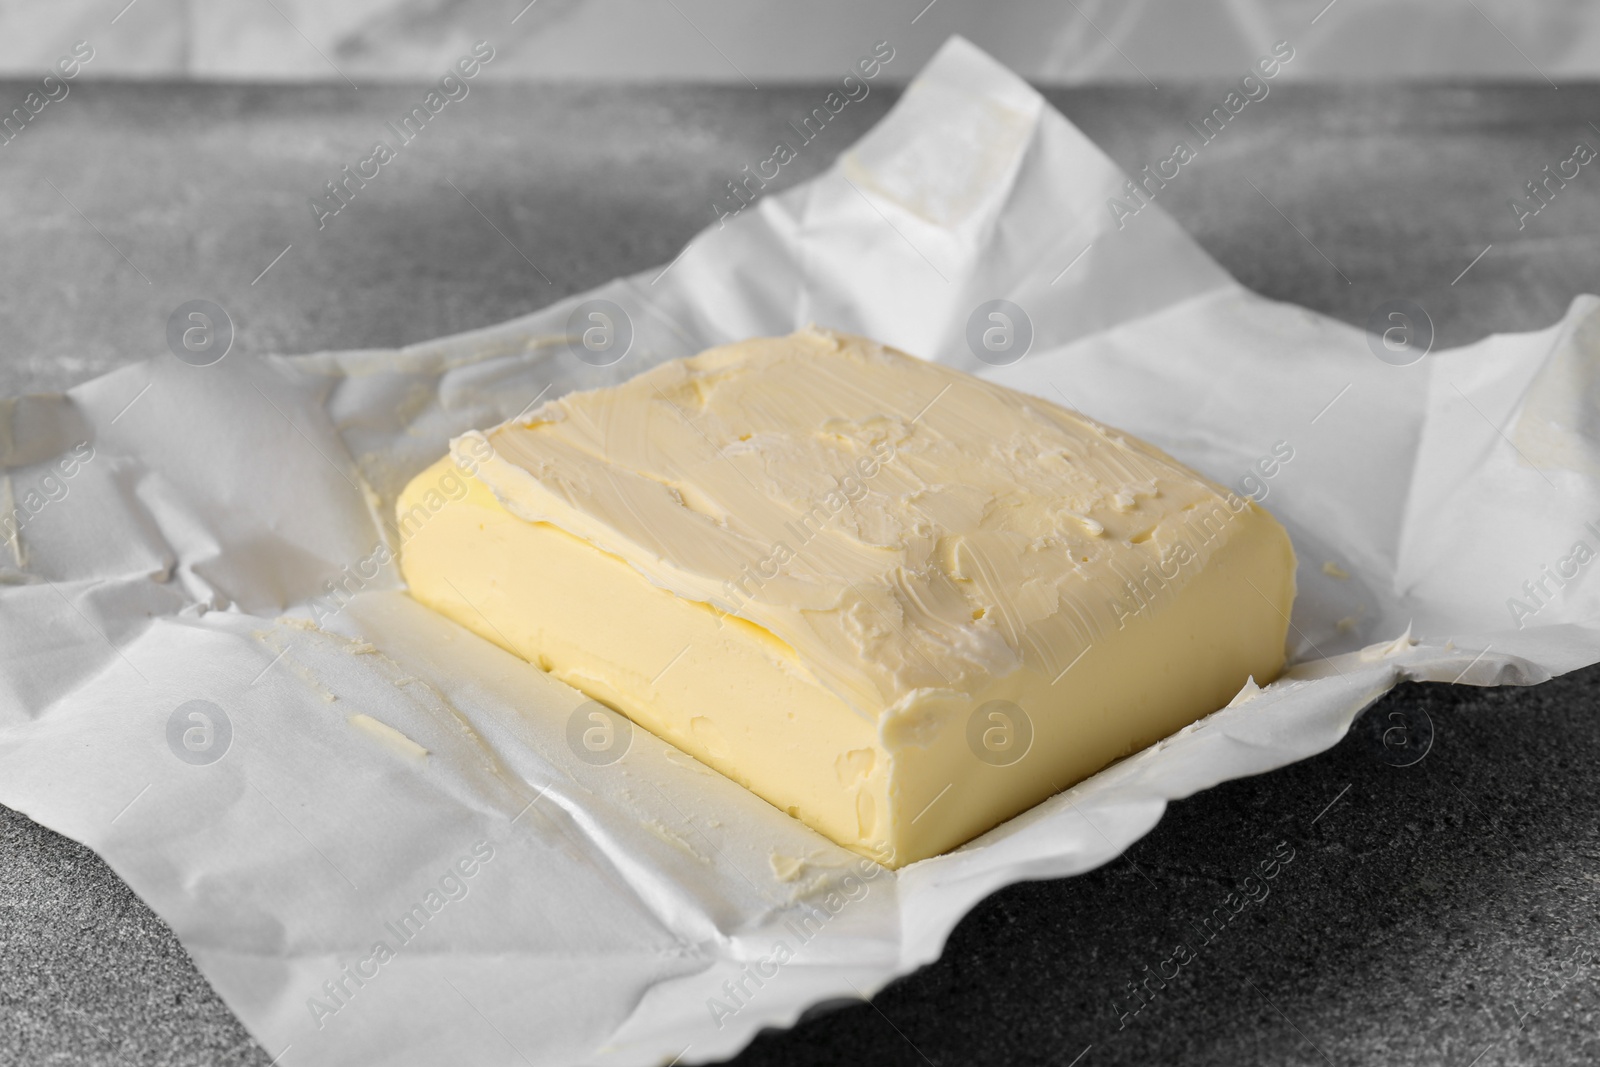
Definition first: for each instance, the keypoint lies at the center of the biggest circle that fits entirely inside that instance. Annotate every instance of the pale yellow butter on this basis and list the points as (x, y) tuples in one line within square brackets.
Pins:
[(898, 602)]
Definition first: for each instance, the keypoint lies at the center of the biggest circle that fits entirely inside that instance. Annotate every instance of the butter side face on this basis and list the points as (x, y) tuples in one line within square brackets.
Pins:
[(722, 690), (896, 601)]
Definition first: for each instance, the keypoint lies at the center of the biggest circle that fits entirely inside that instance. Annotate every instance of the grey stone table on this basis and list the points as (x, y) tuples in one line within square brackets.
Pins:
[(1447, 912)]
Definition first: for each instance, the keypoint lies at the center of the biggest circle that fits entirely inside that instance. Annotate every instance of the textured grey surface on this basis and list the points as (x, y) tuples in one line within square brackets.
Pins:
[(1432, 914)]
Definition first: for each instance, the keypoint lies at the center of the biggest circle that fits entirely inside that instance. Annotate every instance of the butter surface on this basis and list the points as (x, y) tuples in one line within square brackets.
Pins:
[(898, 602)]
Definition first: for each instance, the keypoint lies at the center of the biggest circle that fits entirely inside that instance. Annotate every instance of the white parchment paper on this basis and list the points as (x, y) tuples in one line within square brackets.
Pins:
[(494, 898)]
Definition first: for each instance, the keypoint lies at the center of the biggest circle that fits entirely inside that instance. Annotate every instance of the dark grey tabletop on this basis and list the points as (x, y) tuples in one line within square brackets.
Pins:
[(1446, 912)]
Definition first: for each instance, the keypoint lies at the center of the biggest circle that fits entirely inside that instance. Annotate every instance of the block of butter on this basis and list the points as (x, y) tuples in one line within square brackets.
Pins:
[(900, 603)]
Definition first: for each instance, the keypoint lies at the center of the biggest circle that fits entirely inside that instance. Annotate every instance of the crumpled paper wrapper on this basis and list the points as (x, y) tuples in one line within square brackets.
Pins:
[(369, 828)]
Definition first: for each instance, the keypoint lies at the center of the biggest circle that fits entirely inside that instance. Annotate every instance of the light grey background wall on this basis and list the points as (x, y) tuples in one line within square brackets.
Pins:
[(1065, 41)]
